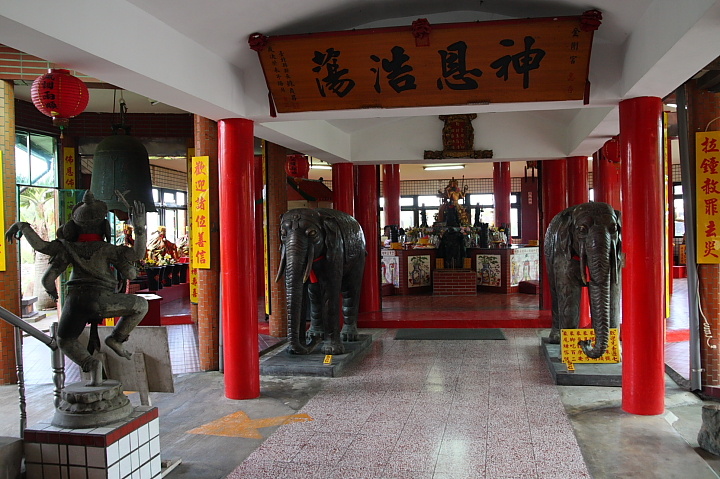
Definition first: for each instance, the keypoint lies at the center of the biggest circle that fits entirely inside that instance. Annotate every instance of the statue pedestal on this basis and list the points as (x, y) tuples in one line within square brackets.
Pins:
[(122, 449)]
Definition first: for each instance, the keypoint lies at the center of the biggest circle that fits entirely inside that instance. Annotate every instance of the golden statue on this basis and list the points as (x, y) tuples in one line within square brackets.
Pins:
[(451, 211)]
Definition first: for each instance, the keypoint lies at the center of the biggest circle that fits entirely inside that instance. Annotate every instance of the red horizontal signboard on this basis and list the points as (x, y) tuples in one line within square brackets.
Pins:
[(544, 59)]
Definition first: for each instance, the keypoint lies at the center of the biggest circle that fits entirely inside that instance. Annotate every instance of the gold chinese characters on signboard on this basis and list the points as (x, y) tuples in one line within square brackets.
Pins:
[(200, 231), (572, 353), (543, 59)]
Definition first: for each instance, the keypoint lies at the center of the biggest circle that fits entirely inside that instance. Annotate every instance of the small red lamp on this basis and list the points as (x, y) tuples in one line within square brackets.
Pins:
[(59, 95), (297, 166)]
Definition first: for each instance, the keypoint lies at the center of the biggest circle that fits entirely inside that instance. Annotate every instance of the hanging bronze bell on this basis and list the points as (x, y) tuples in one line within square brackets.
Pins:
[(121, 164)]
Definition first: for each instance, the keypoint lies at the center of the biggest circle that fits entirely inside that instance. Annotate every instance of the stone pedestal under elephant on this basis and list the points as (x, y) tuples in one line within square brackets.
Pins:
[(322, 257), (583, 248)]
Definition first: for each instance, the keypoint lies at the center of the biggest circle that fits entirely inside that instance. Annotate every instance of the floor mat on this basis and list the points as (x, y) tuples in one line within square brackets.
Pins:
[(450, 334)]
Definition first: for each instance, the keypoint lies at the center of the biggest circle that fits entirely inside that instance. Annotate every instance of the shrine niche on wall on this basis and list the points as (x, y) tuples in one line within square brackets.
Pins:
[(458, 136), (527, 60)]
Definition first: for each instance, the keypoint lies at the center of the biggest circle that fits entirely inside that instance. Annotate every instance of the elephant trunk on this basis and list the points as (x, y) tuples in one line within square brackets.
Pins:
[(298, 263), (598, 262)]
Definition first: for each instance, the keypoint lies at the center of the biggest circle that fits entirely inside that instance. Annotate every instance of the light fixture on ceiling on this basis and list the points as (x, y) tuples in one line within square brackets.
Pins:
[(317, 164), (443, 167), (671, 105)]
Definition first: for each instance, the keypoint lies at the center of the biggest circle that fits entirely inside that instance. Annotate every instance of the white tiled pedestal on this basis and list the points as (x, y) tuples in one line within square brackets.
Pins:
[(126, 449)]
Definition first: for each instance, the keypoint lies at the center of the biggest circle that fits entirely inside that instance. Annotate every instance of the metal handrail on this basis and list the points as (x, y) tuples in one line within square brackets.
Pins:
[(58, 359)]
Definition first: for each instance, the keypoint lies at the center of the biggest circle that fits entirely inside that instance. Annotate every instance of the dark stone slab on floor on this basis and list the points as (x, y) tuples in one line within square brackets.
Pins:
[(586, 374), (450, 334), (286, 364)]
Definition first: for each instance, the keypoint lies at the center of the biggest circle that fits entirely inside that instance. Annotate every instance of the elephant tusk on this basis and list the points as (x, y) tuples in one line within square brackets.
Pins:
[(281, 268), (583, 265), (310, 258)]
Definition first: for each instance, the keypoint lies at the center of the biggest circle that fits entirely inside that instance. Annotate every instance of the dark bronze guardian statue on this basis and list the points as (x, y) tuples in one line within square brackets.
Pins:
[(583, 248), (322, 256), (92, 291)]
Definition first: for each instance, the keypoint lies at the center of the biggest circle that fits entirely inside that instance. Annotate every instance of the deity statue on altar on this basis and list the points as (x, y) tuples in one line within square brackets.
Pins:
[(452, 213), (159, 246)]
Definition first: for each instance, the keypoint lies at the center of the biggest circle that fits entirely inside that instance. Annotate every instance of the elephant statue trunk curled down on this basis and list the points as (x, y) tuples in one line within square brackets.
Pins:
[(322, 256), (583, 248)]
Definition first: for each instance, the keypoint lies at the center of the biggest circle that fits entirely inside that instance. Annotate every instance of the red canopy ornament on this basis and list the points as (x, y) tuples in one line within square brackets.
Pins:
[(421, 31), (591, 20), (59, 95)]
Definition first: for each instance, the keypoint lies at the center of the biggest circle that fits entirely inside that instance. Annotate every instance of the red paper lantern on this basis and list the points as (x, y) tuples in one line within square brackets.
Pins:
[(297, 166), (611, 150), (59, 95)]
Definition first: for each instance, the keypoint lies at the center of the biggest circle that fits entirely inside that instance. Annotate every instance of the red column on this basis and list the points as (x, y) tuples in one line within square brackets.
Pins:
[(343, 183), (366, 204), (577, 180), (606, 174), (391, 193), (502, 189), (643, 366), (554, 200), (237, 257)]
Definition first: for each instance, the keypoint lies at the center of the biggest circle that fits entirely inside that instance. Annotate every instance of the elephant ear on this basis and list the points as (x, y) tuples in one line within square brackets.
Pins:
[(563, 233), (334, 252)]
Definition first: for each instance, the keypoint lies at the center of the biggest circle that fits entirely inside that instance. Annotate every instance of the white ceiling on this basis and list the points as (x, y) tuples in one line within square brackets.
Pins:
[(193, 56)]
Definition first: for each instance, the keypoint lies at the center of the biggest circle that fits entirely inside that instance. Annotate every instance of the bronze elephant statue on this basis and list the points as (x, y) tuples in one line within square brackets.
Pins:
[(583, 248), (322, 257)]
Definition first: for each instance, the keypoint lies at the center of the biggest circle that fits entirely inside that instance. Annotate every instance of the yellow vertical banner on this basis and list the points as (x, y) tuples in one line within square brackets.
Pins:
[(193, 285), (200, 214), (3, 265), (707, 175), (667, 167), (69, 169), (266, 256)]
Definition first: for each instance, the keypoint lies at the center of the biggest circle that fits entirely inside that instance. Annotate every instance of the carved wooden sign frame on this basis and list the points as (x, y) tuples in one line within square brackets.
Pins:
[(528, 60)]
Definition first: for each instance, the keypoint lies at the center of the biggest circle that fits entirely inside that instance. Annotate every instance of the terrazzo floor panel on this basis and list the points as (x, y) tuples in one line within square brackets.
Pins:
[(430, 409)]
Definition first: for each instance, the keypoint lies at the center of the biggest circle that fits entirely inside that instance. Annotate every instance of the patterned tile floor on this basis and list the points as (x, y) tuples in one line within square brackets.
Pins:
[(397, 310), (411, 409), (431, 409), (677, 348)]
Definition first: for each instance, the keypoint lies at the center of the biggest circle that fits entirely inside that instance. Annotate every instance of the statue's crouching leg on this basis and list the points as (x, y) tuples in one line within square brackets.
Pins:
[(77, 353), (135, 311)]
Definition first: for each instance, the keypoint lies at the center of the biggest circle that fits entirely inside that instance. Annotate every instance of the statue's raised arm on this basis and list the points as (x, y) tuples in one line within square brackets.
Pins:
[(21, 228)]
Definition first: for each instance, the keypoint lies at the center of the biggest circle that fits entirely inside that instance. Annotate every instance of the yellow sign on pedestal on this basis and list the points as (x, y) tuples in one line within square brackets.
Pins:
[(573, 353)]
